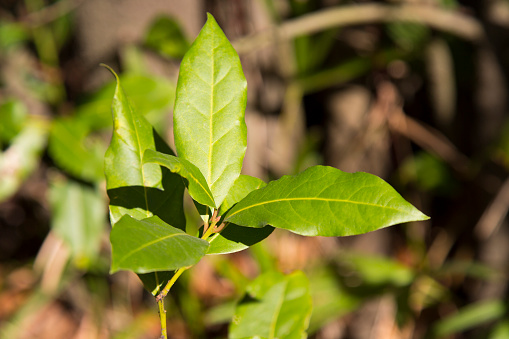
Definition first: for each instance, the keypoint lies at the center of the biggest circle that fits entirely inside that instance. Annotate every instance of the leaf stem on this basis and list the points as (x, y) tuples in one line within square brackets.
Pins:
[(162, 317)]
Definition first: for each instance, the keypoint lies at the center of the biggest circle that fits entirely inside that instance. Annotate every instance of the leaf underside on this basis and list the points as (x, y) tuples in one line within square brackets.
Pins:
[(324, 201)]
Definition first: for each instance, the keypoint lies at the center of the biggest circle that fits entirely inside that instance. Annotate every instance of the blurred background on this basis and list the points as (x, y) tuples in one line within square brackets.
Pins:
[(414, 91)]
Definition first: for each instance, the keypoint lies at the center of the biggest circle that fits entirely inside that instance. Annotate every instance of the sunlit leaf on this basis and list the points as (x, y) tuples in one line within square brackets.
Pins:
[(151, 245), (209, 126), (196, 184), (325, 201)]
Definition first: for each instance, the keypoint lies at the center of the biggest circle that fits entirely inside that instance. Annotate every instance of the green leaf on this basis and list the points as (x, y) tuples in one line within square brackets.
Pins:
[(134, 189), (325, 201), (470, 316), (150, 245), (166, 36), (244, 185), (21, 158), (196, 184), (13, 115), (208, 119), (275, 306), (235, 238), (78, 218), (71, 150)]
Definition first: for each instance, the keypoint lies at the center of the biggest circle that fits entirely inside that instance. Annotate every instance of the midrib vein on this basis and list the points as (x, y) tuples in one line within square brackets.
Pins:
[(211, 134), (309, 198)]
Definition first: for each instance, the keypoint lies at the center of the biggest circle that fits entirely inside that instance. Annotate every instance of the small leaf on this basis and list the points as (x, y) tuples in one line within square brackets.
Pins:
[(208, 119), (196, 184), (325, 201), (244, 185), (275, 306), (235, 238), (150, 245)]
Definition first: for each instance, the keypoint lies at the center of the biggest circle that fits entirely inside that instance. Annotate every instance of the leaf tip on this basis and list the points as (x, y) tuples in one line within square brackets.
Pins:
[(109, 69)]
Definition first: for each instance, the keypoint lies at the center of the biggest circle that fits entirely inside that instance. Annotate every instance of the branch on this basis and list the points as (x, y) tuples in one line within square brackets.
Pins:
[(453, 22)]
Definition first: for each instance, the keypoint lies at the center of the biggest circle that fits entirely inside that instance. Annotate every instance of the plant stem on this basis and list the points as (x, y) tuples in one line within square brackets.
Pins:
[(160, 297), (162, 317)]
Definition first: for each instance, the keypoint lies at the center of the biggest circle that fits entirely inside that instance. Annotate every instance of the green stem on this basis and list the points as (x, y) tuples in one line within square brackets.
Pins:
[(162, 317), (160, 297)]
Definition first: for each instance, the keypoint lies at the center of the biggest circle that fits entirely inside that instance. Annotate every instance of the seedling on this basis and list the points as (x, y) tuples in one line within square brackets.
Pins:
[(146, 183)]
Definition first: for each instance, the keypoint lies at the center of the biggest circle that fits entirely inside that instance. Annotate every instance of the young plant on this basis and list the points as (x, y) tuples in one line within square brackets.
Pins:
[(146, 183)]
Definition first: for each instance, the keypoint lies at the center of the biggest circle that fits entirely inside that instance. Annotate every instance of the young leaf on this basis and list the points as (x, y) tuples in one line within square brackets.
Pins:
[(136, 189), (150, 244), (325, 201), (275, 306), (235, 238), (208, 119), (196, 184)]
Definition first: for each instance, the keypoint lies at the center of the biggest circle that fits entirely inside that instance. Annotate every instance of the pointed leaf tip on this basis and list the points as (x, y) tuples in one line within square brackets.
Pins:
[(324, 201)]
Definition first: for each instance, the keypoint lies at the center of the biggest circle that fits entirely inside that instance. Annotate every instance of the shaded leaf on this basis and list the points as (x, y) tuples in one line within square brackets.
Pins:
[(150, 244), (196, 184), (13, 115), (78, 218), (166, 36), (268, 309), (470, 316), (208, 119), (325, 201), (71, 150), (236, 238)]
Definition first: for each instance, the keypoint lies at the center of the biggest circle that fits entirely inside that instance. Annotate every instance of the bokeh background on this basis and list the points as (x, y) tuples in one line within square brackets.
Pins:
[(414, 91)]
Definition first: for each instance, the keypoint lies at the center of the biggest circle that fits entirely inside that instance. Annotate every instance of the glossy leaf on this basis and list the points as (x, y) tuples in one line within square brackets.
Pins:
[(134, 189), (236, 238), (325, 201), (196, 184), (275, 306), (78, 218), (208, 119), (150, 244)]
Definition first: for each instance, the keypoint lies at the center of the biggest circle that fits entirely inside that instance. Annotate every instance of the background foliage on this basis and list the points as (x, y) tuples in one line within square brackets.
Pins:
[(351, 84)]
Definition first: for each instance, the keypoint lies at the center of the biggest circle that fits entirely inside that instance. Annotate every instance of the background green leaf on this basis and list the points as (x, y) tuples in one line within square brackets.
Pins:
[(208, 119), (78, 218), (150, 244), (268, 310), (166, 36), (325, 201), (197, 186)]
